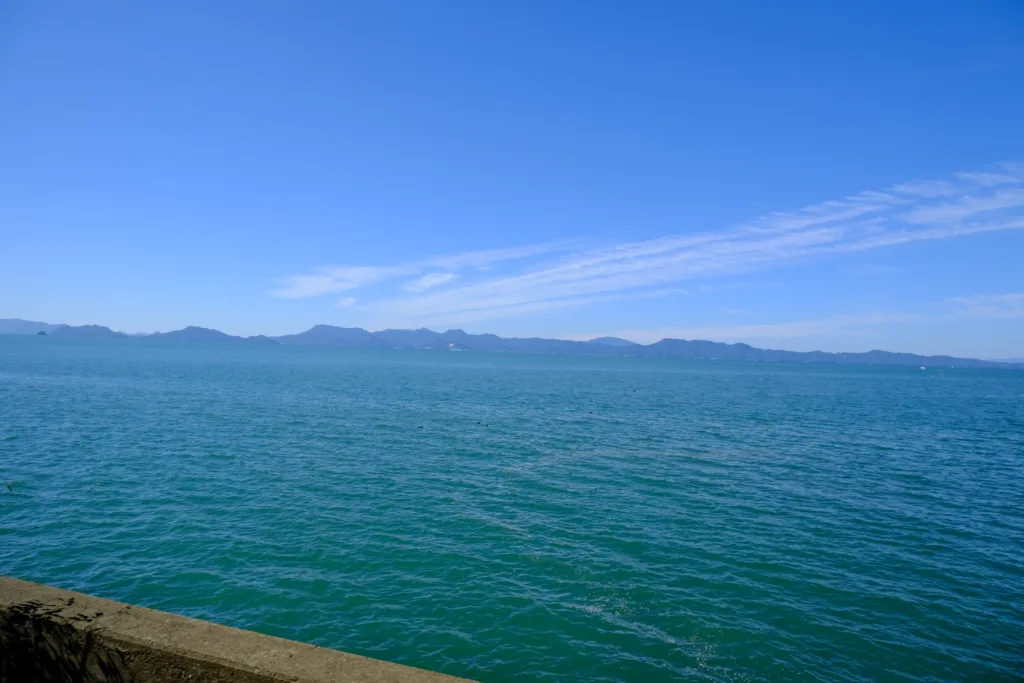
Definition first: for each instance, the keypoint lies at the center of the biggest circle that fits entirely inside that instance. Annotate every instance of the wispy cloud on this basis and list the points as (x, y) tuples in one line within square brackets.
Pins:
[(986, 179), (333, 279), (990, 306), (347, 302), (926, 188), (544, 305), (483, 259), (966, 207), (506, 283), (429, 281)]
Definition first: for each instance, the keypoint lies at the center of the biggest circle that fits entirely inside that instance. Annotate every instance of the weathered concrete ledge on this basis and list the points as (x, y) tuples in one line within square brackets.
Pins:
[(157, 647)]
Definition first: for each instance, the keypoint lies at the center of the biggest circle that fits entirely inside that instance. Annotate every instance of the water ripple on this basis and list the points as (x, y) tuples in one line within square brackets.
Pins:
[(531, 518)]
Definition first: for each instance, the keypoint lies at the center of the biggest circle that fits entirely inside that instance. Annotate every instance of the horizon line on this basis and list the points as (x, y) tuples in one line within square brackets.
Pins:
[(1011, 362)]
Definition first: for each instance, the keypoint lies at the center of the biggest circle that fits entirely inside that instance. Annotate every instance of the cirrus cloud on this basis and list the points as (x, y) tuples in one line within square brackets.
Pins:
[(429, 281), (505, 283)]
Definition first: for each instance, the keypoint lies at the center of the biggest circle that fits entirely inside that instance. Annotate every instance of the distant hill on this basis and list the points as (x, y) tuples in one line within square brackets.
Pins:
[(490, 342), (410, 339), (355, 337), (87, 332), (706, 350), (459, 340), (613, 341), (329, 335), (19, 326), (205, 334)]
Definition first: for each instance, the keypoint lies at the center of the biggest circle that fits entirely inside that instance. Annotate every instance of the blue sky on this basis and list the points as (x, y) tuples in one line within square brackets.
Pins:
[(801, 175)]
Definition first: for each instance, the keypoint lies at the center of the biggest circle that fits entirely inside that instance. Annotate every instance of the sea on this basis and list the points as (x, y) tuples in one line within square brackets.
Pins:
[(531, 518)]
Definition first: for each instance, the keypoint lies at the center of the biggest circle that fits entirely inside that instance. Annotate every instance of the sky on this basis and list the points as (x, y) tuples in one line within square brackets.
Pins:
[(799, 175)]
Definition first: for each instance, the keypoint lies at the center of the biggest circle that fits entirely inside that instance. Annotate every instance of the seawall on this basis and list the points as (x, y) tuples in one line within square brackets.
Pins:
[(59, 630)]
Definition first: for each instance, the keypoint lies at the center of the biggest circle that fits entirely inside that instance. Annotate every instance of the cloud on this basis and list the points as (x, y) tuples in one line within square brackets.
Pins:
[(926, 188), (966, 206), (347, 302), (625, 267), (483, 259), (330, 280), (989, 306), (987, 179), (429, 281), (528, 307), (333, 280), (505, 283)]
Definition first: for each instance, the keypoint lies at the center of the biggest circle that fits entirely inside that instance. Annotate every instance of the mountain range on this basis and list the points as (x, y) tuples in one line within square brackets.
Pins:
[(458, 340)]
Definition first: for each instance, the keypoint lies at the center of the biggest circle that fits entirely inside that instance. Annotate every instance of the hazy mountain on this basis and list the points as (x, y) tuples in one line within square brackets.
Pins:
[(612, 341), (329, 335), (706, 350), (19, 326), (356, 337), (477, 342), (87, 332), (410, 339), (489, 342), (205, 334)]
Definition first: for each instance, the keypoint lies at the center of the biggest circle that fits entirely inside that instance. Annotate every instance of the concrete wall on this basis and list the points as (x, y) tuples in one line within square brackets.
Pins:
[(156, 647)]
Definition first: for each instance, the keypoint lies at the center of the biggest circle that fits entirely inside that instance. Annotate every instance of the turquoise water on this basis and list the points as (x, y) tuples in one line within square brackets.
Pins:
[(512, 518)]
